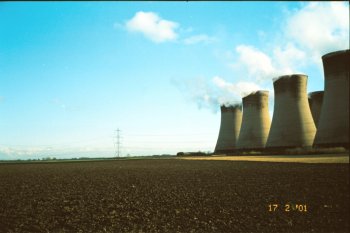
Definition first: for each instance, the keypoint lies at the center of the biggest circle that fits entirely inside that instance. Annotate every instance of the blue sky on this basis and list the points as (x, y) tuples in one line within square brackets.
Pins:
[(71, 73)]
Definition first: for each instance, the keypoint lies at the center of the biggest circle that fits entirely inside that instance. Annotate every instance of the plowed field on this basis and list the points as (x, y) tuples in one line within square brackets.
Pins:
[(170, 195)]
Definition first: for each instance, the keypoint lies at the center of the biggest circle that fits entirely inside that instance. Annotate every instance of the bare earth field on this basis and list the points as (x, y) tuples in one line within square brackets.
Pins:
[(174, 195), (325, 158)]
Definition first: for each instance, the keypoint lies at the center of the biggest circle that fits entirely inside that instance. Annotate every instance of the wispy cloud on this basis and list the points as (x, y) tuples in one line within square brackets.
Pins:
[(64, 106), (201, 38), (16, 152), (59, 103), (38, 152), (153, 27)]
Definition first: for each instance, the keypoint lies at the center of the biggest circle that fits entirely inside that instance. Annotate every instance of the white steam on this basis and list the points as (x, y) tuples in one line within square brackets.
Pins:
[(216, 92)]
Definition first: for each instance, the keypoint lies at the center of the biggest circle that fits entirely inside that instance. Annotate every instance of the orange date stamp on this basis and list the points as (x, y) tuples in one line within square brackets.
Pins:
[(287, 207)]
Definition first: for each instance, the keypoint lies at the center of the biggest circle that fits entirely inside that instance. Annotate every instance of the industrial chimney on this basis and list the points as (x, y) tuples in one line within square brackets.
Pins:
[(292, 124), (333, 125), (315, 102), (256, 121), (231, 119)]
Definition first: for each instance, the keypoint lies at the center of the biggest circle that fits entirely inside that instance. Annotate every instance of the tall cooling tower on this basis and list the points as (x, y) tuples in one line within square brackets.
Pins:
[(333, 125), (231, 119), (292, 124), (256, 121), (315, 102)]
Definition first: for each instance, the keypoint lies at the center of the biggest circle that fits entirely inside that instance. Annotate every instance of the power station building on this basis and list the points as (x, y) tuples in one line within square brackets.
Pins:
[(230, 125), (292, 123), (333, 125), (315, 103), (320, 119), (255, 123)]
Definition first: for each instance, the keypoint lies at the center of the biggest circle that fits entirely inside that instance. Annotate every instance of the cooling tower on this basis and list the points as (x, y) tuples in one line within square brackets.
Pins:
[(256, 121), (315, 102), (231, 119), (333, 125), (292, 124)]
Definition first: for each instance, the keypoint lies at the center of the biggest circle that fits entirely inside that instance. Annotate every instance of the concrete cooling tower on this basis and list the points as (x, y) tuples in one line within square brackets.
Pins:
[(333, 125), (292, 124), (230, 125), (256, 122), (315, 102)]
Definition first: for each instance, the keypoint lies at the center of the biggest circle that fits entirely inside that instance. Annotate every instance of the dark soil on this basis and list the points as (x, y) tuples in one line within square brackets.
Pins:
[(169, 195)]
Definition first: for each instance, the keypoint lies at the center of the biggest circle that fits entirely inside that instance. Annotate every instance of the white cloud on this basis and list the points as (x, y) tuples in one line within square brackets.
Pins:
[(320, 27), (153, 27), (306, 34), (201, 38)]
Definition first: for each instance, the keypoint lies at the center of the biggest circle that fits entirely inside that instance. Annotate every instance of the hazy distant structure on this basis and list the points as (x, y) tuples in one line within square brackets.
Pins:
[(292, 123), (230, 125), (333, 125), (315, 102), (256, 121)]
